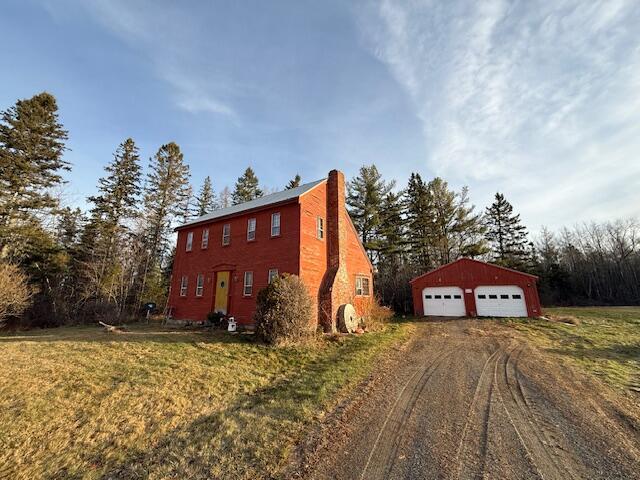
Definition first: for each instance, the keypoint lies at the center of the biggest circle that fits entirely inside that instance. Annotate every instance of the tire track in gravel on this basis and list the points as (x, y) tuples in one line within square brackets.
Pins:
[(510, 417), (387, 441), (475, 400), (542, 438), (476, 447)]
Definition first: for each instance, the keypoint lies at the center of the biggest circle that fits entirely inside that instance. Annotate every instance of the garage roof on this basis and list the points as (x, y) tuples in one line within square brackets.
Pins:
[(474, 261)]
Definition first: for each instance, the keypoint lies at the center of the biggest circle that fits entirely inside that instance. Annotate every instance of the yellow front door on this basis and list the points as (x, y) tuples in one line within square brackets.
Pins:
[(222, 292)]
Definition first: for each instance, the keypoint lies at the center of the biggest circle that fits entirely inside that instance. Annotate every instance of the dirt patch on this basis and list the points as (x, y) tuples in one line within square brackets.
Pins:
[(472, 399)]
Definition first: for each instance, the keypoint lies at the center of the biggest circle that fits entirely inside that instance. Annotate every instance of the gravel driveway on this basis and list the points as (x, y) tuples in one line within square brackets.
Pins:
[(470, 399)]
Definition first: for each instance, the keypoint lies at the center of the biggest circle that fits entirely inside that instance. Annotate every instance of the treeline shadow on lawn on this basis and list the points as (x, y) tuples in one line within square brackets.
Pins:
[(138, 334), (616, 351)]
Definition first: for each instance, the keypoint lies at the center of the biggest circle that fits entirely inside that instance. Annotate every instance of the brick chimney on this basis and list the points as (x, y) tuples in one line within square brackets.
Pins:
[(335, 219), (335, 289)]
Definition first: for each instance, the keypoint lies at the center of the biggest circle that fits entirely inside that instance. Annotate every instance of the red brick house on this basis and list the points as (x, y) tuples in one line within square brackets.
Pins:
[(224, 258)]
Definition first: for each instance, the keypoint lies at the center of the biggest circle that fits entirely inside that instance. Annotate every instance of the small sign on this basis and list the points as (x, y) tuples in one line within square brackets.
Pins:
[(468, 290)]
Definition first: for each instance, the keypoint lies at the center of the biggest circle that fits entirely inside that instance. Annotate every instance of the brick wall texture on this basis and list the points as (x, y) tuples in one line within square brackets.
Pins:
[(328, 266)]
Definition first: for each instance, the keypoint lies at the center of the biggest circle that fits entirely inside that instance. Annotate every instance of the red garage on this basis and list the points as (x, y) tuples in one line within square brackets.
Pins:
[(471, 288)]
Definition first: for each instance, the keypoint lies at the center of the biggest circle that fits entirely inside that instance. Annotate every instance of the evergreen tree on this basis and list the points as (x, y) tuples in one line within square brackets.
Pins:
[(392, 229), (246, 187), (225, 198), (32, 144), (293, 183), (365, 198), (164, 196), (419, 215), (455, 230), (119, 189), (188, 207), (506, 235), (206, 199), (108, 226), (31, 148)]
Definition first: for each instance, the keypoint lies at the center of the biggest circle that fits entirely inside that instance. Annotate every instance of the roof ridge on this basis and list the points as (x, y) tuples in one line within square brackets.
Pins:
[(265, 200)]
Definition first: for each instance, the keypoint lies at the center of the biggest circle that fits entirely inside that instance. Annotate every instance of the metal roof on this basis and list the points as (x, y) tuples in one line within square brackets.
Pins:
[(465, 259), (264, 201)]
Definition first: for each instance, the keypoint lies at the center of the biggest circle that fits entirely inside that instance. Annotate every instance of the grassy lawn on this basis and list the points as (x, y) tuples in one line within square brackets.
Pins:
[(158, 403), (606, 341)]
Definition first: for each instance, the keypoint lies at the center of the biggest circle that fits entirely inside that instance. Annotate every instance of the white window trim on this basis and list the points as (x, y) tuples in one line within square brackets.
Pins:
[(273, 274), (184, 285), (205, 238), (226, 239), (320, 228), (250, 237), (274, 226), (247, 276), (199, 285), (360, 287), (189, 245)]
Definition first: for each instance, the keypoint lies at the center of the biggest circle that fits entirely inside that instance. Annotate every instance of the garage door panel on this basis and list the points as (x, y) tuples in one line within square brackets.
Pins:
[(443, 302), (500, 301)]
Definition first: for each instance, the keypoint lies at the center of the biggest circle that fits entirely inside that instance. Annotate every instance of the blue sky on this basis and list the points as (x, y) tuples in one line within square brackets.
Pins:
[(540, 100)]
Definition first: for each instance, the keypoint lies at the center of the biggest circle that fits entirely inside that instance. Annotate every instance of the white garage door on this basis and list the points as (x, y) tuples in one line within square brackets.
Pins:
[(443, 302), (500, 301)]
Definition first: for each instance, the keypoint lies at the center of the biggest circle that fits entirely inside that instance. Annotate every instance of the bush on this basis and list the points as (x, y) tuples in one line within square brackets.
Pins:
[(15, 293), (283, 312), (376, 316)]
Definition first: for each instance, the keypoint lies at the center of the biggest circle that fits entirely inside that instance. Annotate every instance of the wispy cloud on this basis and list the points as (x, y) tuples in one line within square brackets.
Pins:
[(541, 99), (166, 34)]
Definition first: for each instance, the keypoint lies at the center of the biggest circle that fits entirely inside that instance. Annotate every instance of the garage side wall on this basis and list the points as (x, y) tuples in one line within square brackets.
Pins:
[(469, 274)]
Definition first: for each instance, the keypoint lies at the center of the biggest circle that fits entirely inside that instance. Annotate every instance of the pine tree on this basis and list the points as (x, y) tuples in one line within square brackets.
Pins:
[(365, 197), (119, 189), (164, 196), (419, 215), (188, 207), (392, 229), (455, 231), (225, 199), (206, 199), (32, 142), (103, 269), (246, 187), (293, 183), (506, 235)]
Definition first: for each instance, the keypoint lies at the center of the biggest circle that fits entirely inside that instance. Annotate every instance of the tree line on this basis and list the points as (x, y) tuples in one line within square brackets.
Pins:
[(64, 265), (411, 230), (61, 265)]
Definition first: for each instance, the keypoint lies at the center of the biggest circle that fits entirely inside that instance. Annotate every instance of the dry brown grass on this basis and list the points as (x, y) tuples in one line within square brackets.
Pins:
[(156, 403), (569, 319)]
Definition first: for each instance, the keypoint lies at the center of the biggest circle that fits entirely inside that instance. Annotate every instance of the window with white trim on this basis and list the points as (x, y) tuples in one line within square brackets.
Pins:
[(251, 229), (226, 234), (320, 228), (248, 284), (273, 274), (205, 238), (189, 241), (183, 286), (363, 286), (275, 224), (199, 285)]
